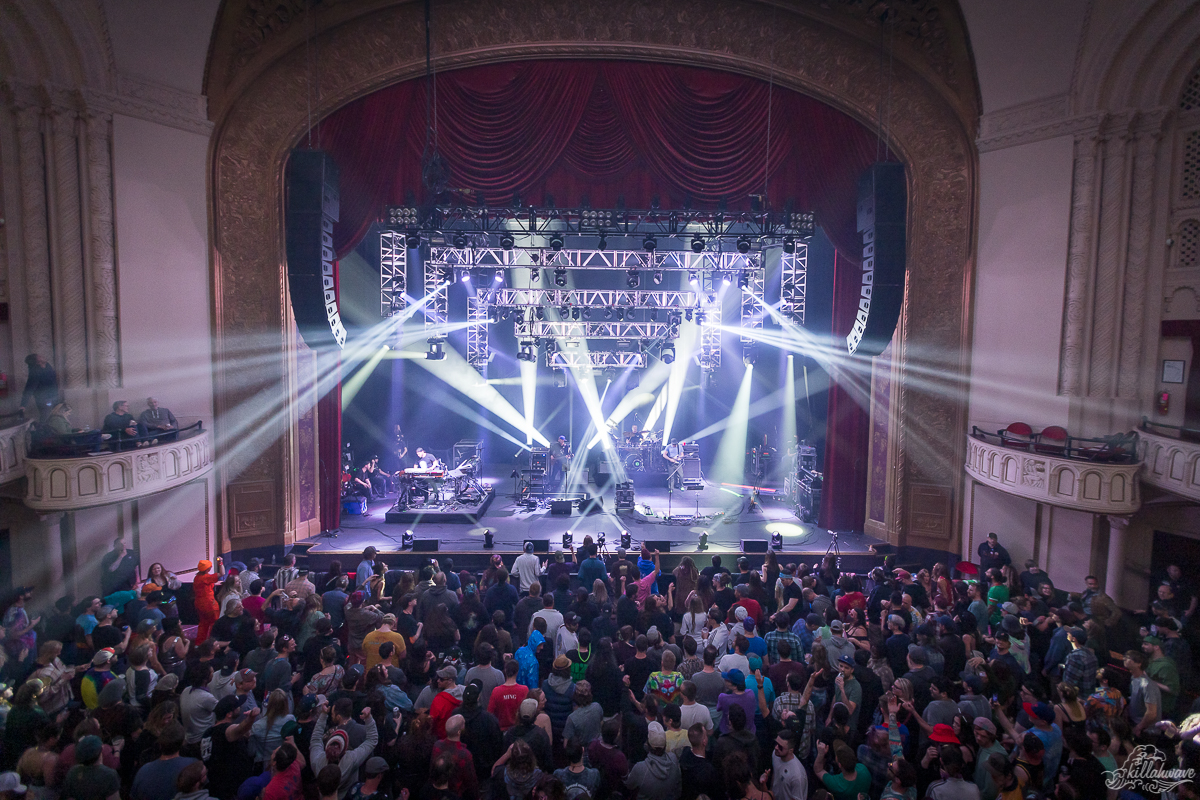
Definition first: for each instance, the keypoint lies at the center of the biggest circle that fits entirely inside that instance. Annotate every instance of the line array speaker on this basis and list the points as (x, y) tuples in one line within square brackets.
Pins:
[(312, 208), (882, 217)]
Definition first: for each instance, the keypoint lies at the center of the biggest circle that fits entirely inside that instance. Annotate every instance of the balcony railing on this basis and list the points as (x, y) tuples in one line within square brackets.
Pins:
[(1100, 481), (1172, 458), (81, 476), (14, 434)]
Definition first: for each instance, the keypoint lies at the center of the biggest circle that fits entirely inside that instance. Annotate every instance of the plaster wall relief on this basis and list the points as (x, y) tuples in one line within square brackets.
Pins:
[(257, 93)]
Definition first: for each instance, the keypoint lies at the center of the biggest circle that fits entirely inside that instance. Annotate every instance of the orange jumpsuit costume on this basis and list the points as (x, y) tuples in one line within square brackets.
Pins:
[(206, 601)]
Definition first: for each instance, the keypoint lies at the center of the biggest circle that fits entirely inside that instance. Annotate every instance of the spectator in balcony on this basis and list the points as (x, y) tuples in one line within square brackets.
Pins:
[(41, 388), (159, 421), (121, 424)]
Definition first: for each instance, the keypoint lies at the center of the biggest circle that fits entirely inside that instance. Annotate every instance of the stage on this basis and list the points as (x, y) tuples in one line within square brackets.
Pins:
[(676, 519)]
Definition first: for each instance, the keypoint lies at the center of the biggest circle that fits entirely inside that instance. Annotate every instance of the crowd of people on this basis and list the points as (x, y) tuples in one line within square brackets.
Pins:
[(585, 677)]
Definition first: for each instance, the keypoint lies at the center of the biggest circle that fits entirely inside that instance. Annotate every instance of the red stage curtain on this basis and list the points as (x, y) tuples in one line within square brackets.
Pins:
[(600, 131), (847, 431)]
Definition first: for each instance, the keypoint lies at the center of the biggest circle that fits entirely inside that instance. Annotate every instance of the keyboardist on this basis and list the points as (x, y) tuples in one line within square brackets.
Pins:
[(426, 460)]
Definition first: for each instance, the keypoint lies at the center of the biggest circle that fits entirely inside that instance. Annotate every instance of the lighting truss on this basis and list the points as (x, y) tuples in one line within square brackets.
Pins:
[(623, 260), (593, 330), (752, 309), (710, 335), (596, 359), (436, 313), (594, 298), (478, 310), (438, 222), (794, 283), (393, 273)]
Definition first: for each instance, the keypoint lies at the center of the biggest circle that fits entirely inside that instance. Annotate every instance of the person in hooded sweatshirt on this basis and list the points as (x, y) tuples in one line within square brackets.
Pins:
[(481, 730), (527, 659), (836, 646), (447, 701), (657, 777), (560, 696)]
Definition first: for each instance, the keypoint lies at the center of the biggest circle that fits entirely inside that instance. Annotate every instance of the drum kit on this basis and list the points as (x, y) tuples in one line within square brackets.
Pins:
[(643, 453)]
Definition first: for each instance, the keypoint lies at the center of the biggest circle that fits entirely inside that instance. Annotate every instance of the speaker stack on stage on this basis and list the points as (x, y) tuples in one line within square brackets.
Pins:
[(882, 219)]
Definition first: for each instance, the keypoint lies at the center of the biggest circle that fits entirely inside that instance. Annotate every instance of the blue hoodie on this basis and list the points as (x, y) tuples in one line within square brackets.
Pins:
[(527, 660)]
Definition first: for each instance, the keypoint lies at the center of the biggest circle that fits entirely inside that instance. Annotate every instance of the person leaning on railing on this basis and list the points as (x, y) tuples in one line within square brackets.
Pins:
[(56, 433)]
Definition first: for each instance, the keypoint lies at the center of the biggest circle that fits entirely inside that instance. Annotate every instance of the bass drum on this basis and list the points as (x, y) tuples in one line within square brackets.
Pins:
[(634, 462)]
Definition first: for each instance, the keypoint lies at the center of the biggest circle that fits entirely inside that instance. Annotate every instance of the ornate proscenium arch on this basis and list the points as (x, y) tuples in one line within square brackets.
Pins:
[(258, 87)]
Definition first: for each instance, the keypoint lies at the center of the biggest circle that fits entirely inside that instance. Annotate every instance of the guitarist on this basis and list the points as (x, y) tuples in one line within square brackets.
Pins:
[(673, 453), (560, 459)]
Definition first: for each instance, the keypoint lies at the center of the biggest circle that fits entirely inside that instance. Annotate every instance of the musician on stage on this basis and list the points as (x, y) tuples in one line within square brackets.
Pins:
[(673, 453), (401, 449), (634, 437), (560, 459), (380, 480), (363, 485), (425, 461)]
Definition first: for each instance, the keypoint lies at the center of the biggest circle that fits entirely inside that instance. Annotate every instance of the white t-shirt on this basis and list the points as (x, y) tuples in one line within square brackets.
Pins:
[(554, 620), (788, 779), (734, 661), (528, 569), (696, 712)]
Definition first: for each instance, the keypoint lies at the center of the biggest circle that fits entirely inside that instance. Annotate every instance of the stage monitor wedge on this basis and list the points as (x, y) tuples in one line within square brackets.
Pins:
[(425, 545), (754, 545), (882, 220), (539, 545), (661, 545), (312, 205)]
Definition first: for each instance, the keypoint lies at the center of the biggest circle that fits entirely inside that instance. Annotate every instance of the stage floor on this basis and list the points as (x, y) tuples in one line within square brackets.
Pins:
[(678, 517)]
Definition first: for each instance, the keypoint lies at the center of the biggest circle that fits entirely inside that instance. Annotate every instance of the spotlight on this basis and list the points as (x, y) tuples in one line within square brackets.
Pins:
[(435, 352), (649, 243), (697, 244), (703, 544), (541, 313), (499, 278), (631, 314), (667, 354), (587, 313), (749, 354), (560, 379), (620, 315), (556, 241), (535, 274), (489, 540), (460, 241), (654, 315), (575, 314), (657, 277), (564, 312), (466, 276), (693, 279), (602, 244), (560, 277), (789, 245), (725, 279), (743, 280), (407, 539), (506, 314), (699, 317), (776, 540), (633, 279), (567, 540), (447, 274), (507, 241), (626, 540), (743, 244), (412, 240), (608, 313), (527, 351)]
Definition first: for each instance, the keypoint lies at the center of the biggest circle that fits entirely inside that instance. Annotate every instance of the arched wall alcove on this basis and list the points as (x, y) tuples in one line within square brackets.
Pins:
[(258, 90)]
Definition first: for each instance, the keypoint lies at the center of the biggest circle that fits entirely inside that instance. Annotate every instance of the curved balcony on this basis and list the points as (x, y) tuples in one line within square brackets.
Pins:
[(1098, 480), (1172, 458), (14, 437), (69, 480)]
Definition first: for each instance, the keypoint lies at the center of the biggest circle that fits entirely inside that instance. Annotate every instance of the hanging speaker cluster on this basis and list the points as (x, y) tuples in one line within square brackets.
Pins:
[(312, 208), (882, 217)]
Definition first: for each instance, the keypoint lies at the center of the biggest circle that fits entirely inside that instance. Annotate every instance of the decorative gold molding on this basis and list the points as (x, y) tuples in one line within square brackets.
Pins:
[(259, 107)]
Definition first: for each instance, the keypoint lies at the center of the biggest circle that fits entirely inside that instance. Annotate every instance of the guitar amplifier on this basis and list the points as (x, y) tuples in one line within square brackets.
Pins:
[(691, 450), (624, 496), (689, 469)]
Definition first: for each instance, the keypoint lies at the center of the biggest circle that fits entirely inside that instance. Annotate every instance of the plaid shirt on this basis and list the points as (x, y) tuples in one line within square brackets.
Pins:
[(1079, 670), (775, 637)]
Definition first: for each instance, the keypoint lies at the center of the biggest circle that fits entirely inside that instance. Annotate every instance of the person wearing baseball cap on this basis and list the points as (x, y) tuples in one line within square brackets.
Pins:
[(447, 700), (559, 691), (657, 776), (89, 778), (10, 785), (985, 736), (97, 677)]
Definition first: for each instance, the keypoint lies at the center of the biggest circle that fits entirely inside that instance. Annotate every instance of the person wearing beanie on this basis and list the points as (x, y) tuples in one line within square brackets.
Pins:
[(203, 586), (89, 779), (528, 568), (656, 777), (336, 750), (559, 690)]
